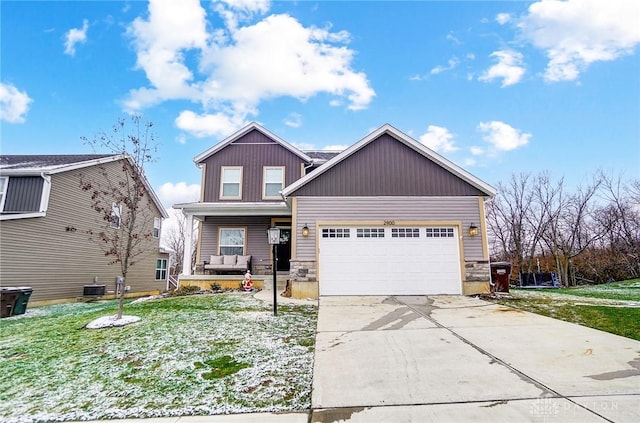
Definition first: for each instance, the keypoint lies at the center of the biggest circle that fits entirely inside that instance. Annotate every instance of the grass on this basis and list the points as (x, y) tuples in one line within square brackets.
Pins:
[(613, 308), (193, 355)]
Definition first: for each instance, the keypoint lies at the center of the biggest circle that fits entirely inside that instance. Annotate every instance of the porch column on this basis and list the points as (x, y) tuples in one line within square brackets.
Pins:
[(188, 242)]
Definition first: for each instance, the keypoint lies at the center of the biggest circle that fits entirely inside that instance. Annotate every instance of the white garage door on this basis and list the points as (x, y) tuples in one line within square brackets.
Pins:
[(389, 260)]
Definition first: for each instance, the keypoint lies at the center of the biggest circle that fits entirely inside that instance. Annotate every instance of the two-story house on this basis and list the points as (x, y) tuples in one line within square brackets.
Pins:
[(386, 216), (46, 219)]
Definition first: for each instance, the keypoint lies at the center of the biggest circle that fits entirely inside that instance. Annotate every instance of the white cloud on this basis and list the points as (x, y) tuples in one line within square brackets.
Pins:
[(509, 68), (206, 124), (476, 151), (503, 137), (239, 65), (503, 18), (294, 120), (75, 36), (576, 33), (170, 193), (451, 64), (15, 103), (438, 139)]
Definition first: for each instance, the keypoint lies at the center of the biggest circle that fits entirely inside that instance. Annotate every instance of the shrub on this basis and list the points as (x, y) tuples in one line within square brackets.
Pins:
[(185, 290)]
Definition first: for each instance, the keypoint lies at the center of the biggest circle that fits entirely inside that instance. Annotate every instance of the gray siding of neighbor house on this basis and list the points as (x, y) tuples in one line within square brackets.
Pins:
[(387, 167), (353, 209), (23, 194), (53, 254), (257, 244), (252, 151)]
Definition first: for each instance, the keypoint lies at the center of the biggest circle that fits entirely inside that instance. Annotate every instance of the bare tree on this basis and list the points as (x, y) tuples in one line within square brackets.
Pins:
[(121, 198), (174, 239)]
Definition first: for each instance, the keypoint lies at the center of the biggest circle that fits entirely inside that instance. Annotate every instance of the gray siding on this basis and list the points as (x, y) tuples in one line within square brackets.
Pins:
[(313, 209), (256, 241), (23, 194), (387, 167), (42, 253), (252, 152)]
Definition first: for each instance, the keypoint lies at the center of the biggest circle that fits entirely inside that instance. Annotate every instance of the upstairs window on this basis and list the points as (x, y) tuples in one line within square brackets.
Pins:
[(157, 224), (231, 183), (116, 216), (4, 182), (273, 182)]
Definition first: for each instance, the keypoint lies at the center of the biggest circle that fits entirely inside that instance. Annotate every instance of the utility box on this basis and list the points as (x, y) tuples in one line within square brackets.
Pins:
[(500, 272), (93, 290)]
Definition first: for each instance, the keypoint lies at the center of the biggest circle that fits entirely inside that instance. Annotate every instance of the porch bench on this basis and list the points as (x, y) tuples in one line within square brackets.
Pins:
[(228, 263)]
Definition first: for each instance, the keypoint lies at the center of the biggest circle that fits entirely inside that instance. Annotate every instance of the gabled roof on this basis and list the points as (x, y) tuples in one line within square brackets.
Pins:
[(242, 132), (408, 141), (50, 164)]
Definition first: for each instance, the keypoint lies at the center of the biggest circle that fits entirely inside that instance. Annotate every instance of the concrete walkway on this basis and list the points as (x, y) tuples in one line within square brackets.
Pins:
[(460, 359)]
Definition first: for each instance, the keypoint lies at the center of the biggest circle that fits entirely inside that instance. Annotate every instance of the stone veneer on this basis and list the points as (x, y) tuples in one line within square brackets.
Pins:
[(477, 271), (303, 271)]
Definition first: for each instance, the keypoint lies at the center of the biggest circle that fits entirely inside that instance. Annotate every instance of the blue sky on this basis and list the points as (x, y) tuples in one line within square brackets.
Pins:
[(496, 87)]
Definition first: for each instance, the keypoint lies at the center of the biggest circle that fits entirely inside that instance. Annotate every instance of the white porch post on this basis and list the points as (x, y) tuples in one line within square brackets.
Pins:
[(188, 242)]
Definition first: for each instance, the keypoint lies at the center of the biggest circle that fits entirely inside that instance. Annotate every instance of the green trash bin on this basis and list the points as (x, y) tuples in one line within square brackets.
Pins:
[(8, 298), (23, 300)]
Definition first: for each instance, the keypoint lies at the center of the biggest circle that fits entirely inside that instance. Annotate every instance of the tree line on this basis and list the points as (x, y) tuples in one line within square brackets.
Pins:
[(586, 234)]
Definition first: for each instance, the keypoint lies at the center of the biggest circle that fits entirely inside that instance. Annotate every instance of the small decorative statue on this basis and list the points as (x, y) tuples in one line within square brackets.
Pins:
[(247, 284)]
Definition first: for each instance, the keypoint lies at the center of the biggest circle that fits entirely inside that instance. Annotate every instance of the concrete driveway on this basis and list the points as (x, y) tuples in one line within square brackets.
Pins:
[(460, 359)]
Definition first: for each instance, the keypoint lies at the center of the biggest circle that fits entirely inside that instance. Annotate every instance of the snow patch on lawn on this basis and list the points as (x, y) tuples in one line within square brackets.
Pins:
[(111, 321)]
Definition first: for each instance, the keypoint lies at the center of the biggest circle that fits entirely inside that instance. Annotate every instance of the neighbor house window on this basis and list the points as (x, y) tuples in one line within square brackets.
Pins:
[(161, 269), (273, 178), (231, 183), (232, 241), (116, 216), (157, 224), (4, 182)]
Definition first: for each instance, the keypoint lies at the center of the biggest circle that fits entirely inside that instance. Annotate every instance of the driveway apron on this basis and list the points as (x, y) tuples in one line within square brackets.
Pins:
[(456, 358)]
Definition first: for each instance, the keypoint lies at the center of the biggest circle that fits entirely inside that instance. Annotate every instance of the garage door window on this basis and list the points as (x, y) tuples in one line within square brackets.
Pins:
[(439, 232), (405, 232), (336, 233), (370, 233)]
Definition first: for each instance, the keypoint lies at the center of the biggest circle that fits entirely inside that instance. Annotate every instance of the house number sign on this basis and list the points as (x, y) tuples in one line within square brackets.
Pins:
[(389, 222)]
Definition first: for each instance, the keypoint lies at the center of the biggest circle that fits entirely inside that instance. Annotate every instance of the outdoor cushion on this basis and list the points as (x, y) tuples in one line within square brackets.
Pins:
[(242, 261), (216, 260), (230, 259)]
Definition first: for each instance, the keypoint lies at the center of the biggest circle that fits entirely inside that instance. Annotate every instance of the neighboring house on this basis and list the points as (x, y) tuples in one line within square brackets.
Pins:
[(386, 216), (45, 220)]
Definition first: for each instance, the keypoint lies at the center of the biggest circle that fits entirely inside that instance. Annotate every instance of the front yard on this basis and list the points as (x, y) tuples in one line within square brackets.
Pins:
[(613, 307), (194, 355)]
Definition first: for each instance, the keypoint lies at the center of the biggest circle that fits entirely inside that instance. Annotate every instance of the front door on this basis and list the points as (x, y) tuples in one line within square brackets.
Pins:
[(284, 250)]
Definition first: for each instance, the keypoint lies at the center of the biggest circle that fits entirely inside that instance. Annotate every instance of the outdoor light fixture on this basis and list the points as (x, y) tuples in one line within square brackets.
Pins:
[(473, 230), (274, 239), (305, 230)]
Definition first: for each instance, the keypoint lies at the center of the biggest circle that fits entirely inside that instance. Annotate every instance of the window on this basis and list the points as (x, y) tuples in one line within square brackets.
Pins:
[(370, 233), (116, 216), (157, 224), (231, 183), (161, 269), (4, 182), (405, 232), (335, 233), (439, 232), (273, 182), (232, 241)]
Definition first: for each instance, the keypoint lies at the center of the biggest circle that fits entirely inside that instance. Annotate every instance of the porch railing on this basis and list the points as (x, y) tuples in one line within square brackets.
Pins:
[(172, 282)]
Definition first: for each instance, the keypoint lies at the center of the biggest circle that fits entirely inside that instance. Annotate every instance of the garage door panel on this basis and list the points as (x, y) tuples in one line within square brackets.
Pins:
[(409, 265)]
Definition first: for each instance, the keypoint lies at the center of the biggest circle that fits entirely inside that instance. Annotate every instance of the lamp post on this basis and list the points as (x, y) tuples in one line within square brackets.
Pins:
[(274, 240)]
